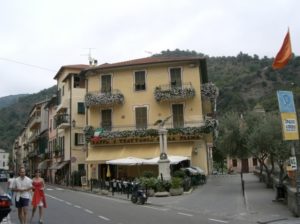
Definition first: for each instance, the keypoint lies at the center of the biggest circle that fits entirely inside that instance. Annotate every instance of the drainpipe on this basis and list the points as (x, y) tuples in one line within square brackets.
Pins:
[(71, 127)]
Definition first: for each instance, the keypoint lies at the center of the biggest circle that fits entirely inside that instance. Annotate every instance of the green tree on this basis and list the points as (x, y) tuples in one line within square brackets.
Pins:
[(265, 142), (233, 137)]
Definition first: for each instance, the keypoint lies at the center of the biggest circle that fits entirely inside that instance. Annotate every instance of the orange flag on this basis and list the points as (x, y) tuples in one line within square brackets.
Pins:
[(284, 54)]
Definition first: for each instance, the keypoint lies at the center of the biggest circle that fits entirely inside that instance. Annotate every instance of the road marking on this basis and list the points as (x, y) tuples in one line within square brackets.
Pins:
[(186, 214), (217, 220), (49, 189), (59, 189), (68, 203), (104, 197), (88, 211), (77, 206), (102, 217), (160, 209)]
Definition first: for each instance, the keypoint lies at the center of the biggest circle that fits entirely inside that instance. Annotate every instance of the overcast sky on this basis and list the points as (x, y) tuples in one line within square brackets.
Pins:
[(50, 33)]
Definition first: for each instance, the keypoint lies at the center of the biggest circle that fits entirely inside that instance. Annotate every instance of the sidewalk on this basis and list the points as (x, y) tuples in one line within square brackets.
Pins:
[(260, 204)]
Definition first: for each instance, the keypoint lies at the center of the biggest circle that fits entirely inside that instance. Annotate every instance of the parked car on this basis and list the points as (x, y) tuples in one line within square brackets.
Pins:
[(5, 203), (3, 177)]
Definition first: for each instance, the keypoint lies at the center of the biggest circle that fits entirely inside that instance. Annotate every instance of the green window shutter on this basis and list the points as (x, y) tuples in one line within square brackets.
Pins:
[(76, 138), (80, 108)]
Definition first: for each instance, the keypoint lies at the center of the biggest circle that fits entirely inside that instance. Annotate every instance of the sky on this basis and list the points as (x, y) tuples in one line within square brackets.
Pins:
[(37, 37)]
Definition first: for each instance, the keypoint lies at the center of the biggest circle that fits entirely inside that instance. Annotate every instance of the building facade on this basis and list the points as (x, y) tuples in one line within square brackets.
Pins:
[(125, 100), (4, 160), (67, 140)]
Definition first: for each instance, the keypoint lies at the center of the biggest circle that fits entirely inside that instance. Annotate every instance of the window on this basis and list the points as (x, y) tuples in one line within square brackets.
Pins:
[(106, 119), (175, 74), (58, 97), (80, 108), (63, 91), (139, 78), (79, 81), (234, 163), (178, 121), (79, 139), (106, 83), (51, 120), (141, 117), (254, 161)]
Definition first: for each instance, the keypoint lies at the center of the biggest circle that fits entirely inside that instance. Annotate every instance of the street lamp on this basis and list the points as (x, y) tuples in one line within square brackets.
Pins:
[(163, 162)]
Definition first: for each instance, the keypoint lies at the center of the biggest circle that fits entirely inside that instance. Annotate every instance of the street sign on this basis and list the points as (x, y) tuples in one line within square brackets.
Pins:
[(293, 162), (288, 115), (286, 102)]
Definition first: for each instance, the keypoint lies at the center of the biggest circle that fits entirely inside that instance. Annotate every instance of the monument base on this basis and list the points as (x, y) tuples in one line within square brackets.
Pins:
[(164, 169)]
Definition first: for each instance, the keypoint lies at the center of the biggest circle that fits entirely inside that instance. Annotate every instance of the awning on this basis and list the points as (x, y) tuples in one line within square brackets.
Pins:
[(43, 165), (59, 165), (129, 161), (147, 151), (173, 160)]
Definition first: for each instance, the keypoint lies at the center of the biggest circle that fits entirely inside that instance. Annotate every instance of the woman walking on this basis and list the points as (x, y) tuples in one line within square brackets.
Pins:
[(38, 199)]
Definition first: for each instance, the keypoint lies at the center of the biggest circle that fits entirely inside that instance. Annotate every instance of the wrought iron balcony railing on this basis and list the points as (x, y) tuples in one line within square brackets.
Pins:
[(104, 98), (62, 120), (172, 92)]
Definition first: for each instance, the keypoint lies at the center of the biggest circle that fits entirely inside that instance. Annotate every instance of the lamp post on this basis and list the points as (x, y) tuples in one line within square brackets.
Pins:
[(163, 162)]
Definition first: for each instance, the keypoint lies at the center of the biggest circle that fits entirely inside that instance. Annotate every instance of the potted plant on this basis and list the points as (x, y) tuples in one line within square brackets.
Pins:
[(162, 187), (176, 186)]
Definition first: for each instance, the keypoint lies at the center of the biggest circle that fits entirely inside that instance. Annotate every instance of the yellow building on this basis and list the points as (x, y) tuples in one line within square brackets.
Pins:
[(67, 146), (124, 100)]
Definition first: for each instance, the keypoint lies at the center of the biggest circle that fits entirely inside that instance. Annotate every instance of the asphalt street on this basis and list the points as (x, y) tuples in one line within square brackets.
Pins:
[(218, 201)]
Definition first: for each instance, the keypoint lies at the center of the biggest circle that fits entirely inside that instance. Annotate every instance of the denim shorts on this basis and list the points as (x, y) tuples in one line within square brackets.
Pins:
[(23, 202)]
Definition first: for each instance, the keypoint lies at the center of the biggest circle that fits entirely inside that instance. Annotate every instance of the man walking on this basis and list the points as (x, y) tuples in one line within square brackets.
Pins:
[(22, 187)]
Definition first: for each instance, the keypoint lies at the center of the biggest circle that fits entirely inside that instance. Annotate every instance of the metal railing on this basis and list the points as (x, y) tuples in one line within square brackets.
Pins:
[(62, 118)]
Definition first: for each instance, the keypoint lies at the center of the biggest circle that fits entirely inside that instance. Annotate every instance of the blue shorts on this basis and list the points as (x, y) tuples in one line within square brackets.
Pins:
[(23, 202)]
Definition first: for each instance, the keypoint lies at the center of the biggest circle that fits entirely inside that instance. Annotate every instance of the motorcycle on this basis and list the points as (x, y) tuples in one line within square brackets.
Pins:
[(138, 195)]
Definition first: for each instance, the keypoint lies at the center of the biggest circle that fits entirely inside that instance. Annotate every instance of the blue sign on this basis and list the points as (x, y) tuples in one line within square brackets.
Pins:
[(286, 102)]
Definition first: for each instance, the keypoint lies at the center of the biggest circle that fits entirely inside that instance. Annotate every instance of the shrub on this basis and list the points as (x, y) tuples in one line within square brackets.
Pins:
[(179, 173), (176, 182), (163, 185), (148, 182), (148, 174)]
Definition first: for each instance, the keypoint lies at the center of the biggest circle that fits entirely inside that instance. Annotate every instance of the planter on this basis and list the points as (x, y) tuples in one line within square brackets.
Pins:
[(176, 191), (150, 192), (162, 194)]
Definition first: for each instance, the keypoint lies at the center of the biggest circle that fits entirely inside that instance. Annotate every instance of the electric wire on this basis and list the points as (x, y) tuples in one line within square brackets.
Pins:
[(26, 64)]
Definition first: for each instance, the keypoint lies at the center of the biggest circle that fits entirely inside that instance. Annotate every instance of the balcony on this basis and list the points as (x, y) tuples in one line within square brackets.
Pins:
[(35, 122), (170, 93), (62, 121), (33, 137), (189, 131), (114, 97), (63, 105)]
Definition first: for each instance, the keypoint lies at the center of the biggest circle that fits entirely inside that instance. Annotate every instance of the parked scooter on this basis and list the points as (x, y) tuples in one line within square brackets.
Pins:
[(138, 195)]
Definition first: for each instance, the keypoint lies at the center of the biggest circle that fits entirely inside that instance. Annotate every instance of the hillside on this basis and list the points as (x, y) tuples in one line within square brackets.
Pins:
[(11, 99), (14, 116)]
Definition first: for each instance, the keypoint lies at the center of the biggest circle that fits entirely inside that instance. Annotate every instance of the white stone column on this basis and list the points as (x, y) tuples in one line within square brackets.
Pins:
[(164, 162)]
